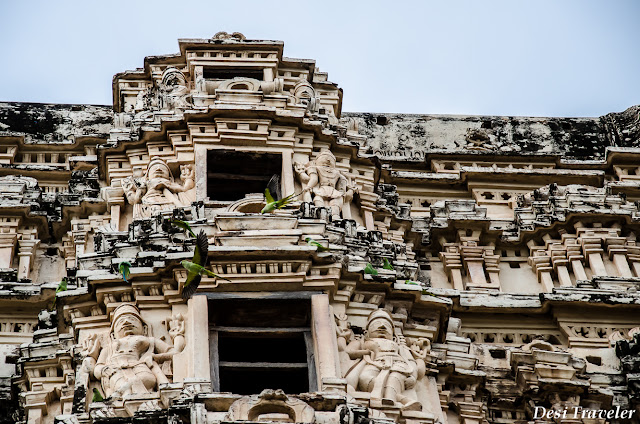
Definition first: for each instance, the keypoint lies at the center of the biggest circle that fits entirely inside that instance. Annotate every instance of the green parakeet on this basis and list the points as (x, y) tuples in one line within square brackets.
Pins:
[(196, 267), (124, 269), (61, 287), (369, 269), (273, 204), (184, 225), (97, 397), (387, 265), (313, 243)]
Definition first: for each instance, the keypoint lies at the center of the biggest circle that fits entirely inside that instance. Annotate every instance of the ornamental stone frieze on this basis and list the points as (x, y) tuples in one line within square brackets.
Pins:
[(414, 269)]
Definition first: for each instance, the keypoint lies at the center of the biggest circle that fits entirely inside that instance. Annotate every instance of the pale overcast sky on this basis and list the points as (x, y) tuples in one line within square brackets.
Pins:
[(510, 57)]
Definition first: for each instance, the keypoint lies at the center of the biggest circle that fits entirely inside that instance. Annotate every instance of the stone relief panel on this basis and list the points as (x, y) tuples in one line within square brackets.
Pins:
[(157, 190), (326, 186), (171, 94), (130, 360), (384, 370)]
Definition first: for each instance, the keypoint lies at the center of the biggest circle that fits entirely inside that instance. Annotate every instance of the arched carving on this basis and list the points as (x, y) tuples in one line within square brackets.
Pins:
[(263, 407), (173, 90)]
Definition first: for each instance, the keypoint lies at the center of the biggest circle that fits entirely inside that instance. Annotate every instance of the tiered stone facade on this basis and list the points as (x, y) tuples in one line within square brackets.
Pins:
[(430, 269)]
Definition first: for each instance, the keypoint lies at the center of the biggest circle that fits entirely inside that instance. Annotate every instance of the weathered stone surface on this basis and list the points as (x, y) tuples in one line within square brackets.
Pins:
[(428, 269), (54, 123), (411, 137)]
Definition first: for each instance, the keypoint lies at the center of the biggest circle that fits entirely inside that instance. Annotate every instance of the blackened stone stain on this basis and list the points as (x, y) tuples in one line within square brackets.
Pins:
[(572, 138), (54, 122)]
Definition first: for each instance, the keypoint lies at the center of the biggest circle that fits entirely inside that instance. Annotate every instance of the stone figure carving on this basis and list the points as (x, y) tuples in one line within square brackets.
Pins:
[(173, 90), (130, 362), (326, 186), (420, 349), (157, 190), (385, 367), (235, 36), (345, 336)]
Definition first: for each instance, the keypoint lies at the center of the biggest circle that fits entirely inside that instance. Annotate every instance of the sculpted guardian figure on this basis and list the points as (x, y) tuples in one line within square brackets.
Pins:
[(325, 185), (385, 366), (130, 362), (157, 190)]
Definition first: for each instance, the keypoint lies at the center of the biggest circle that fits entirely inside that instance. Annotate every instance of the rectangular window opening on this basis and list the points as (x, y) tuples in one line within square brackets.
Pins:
[(259, 344), (232, 72), (231, 175)]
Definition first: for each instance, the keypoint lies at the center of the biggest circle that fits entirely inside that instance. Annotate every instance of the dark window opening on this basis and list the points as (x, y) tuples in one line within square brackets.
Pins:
[(259, 344), (514, 264), (231, 175), (252, 381), (243, 347), (265, 361), (229, 73), (498, 353), (382, 120), (595, 360)]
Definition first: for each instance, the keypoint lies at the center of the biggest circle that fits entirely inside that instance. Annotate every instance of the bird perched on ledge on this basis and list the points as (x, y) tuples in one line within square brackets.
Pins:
[(369, 269), (196, 267), (61, 287), (387, 265), (183, 225), (273, 204), (311, 242), (125, 271), (97, 397)]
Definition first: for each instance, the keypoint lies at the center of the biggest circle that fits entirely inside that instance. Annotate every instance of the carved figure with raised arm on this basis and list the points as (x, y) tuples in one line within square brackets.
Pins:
[(157, 191), (325, 185), (130, 361)]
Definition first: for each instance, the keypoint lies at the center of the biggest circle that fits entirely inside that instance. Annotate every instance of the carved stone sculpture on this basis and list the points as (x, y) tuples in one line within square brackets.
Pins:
[(270, 406), (130, 362), (385, 366), (345, 336), (157, 190), (326, 186), (305, 94), (173, 90)]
